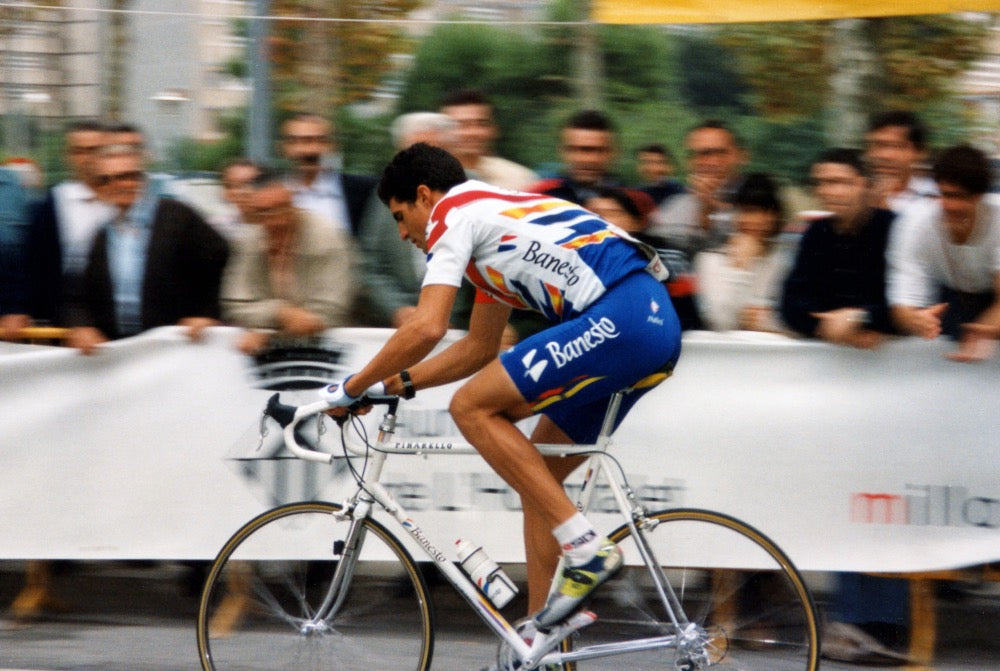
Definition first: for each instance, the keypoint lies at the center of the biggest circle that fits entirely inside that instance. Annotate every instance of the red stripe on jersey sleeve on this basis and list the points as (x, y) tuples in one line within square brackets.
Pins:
[(447, 204)]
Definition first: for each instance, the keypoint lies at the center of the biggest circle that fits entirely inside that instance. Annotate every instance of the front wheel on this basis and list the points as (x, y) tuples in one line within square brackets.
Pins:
[(271, 600), (750, 608)]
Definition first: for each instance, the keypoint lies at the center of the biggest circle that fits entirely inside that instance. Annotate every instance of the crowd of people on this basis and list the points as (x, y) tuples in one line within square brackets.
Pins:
[(892, 241)]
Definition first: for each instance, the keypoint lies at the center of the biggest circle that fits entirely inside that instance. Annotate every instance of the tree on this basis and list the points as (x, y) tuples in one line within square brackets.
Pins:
[(320, 64), (854, 67)]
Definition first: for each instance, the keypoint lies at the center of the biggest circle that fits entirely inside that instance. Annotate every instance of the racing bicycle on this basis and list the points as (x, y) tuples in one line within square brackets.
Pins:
[(322, 585)]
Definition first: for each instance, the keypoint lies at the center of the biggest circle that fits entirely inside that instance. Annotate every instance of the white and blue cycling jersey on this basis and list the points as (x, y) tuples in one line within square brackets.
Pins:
[(529, 251)]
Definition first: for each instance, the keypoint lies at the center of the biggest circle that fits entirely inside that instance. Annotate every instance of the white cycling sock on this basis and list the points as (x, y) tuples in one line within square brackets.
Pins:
[(578, 540)]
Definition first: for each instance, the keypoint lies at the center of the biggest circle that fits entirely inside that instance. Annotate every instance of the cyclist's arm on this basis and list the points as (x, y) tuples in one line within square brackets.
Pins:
[(463, 357), (412, 341)]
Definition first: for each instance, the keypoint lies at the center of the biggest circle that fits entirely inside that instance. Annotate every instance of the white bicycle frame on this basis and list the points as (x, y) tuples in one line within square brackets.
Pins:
[(540, 651)]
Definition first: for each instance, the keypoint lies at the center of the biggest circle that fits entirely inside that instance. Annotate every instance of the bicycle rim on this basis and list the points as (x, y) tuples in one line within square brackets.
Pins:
[(259, 605), (749, 603)]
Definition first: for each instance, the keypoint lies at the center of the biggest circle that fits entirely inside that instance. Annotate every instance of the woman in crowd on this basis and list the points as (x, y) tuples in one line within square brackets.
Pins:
[(740, 283)]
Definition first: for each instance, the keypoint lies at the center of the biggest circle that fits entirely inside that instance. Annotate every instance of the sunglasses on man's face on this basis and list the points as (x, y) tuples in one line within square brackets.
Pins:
[(131, 176)]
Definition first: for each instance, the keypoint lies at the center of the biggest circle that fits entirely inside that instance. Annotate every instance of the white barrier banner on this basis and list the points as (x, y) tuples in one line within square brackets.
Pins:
[(849, 460)]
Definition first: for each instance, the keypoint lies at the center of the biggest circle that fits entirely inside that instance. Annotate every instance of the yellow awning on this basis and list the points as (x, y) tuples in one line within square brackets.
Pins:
[(742, 11)]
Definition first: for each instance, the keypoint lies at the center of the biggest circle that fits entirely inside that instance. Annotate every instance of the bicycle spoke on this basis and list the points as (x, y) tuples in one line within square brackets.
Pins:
[(749, 608), (260, 608)]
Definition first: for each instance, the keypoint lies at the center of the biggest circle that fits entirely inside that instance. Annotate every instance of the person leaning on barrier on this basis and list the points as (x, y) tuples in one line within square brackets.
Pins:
[(836, 288), (953, 246), (739, 282), (291, 273), (59, 236), (156, 263)]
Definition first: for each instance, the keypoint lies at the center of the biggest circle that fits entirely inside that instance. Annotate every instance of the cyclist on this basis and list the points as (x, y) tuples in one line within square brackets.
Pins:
[(613, 327)]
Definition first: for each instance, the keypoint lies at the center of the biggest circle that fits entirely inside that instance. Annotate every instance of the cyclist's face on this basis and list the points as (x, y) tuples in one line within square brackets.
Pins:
[(412, 218)]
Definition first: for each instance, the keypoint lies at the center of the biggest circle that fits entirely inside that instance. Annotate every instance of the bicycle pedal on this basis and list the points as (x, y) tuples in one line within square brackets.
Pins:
[(546, 639)]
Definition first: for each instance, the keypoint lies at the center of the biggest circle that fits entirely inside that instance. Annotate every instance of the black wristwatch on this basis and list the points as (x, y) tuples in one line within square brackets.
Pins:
[(408, 390)]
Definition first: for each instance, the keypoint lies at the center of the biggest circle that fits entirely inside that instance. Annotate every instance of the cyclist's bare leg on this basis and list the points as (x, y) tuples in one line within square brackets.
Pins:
[(540, 547), (485, 409)]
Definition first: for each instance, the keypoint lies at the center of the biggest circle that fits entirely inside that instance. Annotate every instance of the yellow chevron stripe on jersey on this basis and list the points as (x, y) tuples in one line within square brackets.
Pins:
[(589, 239), (522, 212)]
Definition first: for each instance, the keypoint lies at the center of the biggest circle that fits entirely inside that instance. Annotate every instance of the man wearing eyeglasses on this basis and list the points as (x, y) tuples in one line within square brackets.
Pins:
[(307, 141), (701, 217), (156, 263), (58, 239)]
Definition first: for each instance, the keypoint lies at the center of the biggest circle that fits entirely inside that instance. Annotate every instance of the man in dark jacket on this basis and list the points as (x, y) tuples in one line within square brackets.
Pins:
[(836, 290), (156, 263), (57, 243)]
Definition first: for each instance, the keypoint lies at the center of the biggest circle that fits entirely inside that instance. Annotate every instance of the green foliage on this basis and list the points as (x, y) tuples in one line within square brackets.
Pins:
[(201, 156), (921, 60), (710, 83)]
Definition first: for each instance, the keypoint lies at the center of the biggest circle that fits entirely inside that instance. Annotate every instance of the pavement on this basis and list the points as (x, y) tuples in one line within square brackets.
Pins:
[(140, 616)]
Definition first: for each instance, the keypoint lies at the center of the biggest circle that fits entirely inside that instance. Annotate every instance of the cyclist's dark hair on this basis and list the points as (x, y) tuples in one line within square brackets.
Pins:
[(916, 131), (964, 166), (844, 156), (465, 97), (419, 164), (590, 120)]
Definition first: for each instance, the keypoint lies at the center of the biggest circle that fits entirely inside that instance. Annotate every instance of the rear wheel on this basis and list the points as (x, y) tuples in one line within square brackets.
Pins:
[(267, 600), (750, 607)]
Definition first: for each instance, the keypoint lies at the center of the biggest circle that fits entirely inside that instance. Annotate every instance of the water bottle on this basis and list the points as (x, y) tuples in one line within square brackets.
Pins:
[(488, 577)]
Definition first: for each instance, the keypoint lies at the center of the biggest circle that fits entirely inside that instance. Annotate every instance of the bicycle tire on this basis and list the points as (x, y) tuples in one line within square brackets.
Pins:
[(731, 580), (258, 606)]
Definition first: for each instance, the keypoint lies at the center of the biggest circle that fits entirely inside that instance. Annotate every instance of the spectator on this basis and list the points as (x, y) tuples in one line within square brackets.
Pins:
[(836, 289), (739, 283), (588, 150), (156, 263), (14, 201), (656, 170), (60, 232), (895, 150), (473, 146), (307, 141), (392, 270), (291, 273), (237, 177), (954, 246), (701, 217), (433, 128)]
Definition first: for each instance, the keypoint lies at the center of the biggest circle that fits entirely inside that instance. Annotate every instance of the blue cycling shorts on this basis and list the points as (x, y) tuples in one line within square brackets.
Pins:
[(629, 337)]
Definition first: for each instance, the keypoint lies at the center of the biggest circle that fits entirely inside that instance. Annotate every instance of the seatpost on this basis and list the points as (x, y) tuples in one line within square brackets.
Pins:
[(611, 415)]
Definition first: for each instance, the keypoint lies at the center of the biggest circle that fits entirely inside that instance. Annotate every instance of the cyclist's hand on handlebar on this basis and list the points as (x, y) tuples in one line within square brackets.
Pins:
[(341, 402)]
